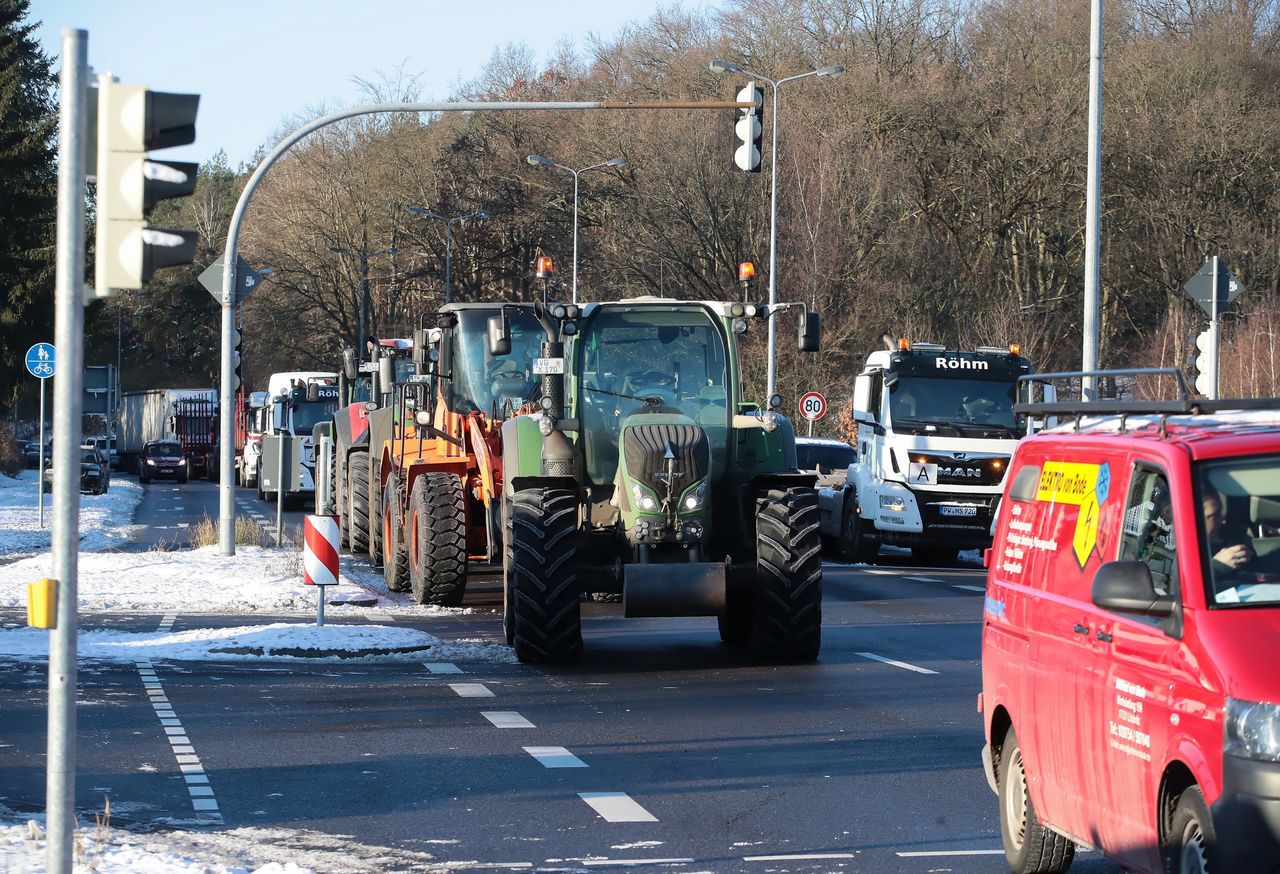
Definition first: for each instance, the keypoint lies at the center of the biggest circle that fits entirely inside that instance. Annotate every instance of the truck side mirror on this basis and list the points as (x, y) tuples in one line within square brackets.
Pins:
[(810, 336), (277, 417), (350, 368), (499, 336)]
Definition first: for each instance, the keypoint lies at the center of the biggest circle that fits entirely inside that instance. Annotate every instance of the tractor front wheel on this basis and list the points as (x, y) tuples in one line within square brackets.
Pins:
[(437, 540), (395, 557), (788, 614), (543, 579)]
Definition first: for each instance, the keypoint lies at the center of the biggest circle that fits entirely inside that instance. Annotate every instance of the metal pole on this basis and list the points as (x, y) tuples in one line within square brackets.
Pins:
[(364, 300), (226, 417), (448, 260), (320, 607), (575, 235), (283, 439), (771, 383), (40, 468), (1214, 328), (1093, 209), (60, 775)]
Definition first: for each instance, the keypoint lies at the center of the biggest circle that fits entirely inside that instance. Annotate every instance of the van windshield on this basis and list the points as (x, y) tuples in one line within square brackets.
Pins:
[(1239, 503)]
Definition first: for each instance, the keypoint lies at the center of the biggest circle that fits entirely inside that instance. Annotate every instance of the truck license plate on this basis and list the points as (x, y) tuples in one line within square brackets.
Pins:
[(958, 510)]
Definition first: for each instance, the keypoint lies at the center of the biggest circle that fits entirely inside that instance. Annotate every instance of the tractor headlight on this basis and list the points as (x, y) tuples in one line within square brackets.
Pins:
[(769, 421), (1252, 730), (546, 425), (695, 497), (893, 503), (644, 498)]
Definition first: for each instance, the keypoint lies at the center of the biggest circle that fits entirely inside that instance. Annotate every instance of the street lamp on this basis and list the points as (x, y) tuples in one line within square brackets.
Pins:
[(539, 161), (448, 240), (725, 67), (364, 257)]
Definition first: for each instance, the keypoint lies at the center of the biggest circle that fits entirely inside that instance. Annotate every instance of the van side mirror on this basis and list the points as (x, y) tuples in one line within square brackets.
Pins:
[(1127, 587), (350, 367), (810, 336), (499, 336)]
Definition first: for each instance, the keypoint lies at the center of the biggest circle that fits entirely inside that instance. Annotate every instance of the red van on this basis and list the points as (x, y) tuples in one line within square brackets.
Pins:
[(1131, 638)]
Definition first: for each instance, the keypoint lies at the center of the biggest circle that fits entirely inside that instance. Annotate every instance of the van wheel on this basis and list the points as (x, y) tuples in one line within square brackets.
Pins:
[(1029, 847), (853, 546), (1191, 845)]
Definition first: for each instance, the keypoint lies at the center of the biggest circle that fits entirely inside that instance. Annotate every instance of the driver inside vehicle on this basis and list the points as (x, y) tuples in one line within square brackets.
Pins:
[(649, 383), (1230, 550), (507, 382)]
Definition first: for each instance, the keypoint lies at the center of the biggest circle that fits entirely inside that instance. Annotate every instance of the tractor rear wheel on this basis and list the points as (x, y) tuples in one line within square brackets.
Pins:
[(542, 571), (508, 597), (395, 557), (358, 502), (375, 521), (788, 614), (437, 540)]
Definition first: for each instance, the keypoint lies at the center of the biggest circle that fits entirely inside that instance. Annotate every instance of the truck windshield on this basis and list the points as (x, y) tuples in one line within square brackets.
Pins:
[(963, 407), (1239, 512), (308, 414), (481, 380), (675, 357)]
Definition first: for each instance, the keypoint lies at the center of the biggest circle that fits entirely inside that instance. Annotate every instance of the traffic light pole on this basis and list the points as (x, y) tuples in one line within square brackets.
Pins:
[(1214, 327), (60, 774)]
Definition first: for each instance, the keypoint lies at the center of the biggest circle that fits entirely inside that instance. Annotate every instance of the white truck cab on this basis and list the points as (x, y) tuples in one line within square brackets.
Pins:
[(935, 431), (296, 402)]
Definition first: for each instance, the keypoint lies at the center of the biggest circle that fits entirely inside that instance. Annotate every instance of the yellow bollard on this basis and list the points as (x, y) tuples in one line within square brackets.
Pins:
[(42, 604)]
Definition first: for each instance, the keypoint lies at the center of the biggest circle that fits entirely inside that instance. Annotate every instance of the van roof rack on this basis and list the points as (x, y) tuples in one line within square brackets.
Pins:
[(1185, 405)]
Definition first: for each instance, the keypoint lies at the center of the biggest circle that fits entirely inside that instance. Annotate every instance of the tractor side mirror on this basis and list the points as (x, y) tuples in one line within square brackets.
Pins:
[(499, 336), (810, 335), (350, 368), (420, 343), (387, 373)]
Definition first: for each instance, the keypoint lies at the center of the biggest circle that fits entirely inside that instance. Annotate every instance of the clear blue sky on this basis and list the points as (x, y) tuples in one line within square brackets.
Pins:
[(258, 63)]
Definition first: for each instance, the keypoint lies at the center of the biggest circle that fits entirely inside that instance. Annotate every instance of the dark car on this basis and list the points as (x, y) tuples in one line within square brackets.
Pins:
[(31, 453), (95, 472), (162, 458), (829, 459)]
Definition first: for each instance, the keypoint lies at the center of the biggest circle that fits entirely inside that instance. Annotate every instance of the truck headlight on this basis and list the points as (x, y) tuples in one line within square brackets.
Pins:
[(1252, 730), (695, 497), (893, 503), (644, 498)]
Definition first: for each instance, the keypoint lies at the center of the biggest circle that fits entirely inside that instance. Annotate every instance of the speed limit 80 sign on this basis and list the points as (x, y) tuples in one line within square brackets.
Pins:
[(813, 406)]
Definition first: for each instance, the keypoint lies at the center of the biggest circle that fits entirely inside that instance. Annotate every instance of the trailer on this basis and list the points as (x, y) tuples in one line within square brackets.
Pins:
[(188, 415)]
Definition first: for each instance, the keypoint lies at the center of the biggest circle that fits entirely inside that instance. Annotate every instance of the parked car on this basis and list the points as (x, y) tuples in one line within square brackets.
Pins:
[(827, 457), (31, 453), (95, 473), (1130, 695), (107, 446), (162, 458)]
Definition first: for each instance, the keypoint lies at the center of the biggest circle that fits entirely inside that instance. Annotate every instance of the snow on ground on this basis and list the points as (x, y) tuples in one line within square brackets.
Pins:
[(105, 520)]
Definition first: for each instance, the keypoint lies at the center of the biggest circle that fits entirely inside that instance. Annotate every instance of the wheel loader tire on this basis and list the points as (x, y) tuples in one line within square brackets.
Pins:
[(395, 556), (358, 502), (508, 596), (547, 613), (437, 540), (374, 498), (788, 614)]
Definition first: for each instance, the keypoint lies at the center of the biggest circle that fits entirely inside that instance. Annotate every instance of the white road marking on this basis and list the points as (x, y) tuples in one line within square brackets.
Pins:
[(631, 863), (879, 572), (895, 663), (506, 719), (471, 690), (970, 588), (918, 854), (616, 807), (202, 798), (443, 668), (924, 579), (555, 757), (798, 857)]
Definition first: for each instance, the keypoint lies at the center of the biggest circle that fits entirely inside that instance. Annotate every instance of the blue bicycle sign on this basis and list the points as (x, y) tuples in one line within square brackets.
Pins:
[(41, 360)]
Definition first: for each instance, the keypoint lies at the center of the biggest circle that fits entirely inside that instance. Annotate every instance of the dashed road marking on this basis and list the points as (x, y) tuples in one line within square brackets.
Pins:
[(632, 863), (798, 857), (921, 854), (443, 668), (471, 690), (895, 663), (924, 579), (617, 807), (879, 572), (506, 719), (555, 757), (203, 801), (970, 588)]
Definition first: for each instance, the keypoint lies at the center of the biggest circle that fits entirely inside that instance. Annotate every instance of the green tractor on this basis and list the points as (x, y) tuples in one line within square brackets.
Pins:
[(647, 474)]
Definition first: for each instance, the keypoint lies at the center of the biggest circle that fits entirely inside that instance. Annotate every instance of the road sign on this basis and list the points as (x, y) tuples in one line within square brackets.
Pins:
[(247, 279), (1201, 287), (813, 406), (41, 360)]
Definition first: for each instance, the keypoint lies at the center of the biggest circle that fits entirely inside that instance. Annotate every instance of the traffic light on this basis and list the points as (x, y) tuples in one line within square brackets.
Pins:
[(749, 129), (237, 358), (131, 121), (1206, 363)]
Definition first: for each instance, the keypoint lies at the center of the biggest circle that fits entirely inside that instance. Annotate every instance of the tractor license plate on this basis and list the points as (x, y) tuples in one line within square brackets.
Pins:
[(957, 510), (543, 366)]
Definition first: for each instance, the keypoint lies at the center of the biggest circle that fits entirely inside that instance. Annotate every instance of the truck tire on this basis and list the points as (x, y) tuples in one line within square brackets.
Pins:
[(358, 502), (437, 529), (853, 546), (1191, 847), (1029, 847), (544, 584), (395, 557), (788, 611)]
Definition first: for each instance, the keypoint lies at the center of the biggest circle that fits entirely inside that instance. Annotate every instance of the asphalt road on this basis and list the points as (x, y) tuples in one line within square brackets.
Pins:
[(662, 748), (169, 511)]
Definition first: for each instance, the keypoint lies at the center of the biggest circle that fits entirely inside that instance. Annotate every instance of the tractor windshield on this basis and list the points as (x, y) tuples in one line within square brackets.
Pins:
[(481, 381), (361, 388), (638, 358)]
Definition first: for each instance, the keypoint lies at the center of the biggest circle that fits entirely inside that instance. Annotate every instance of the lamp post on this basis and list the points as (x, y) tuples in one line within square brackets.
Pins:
[(539, 161), (448, 240), (364, 257), (725, 67)]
